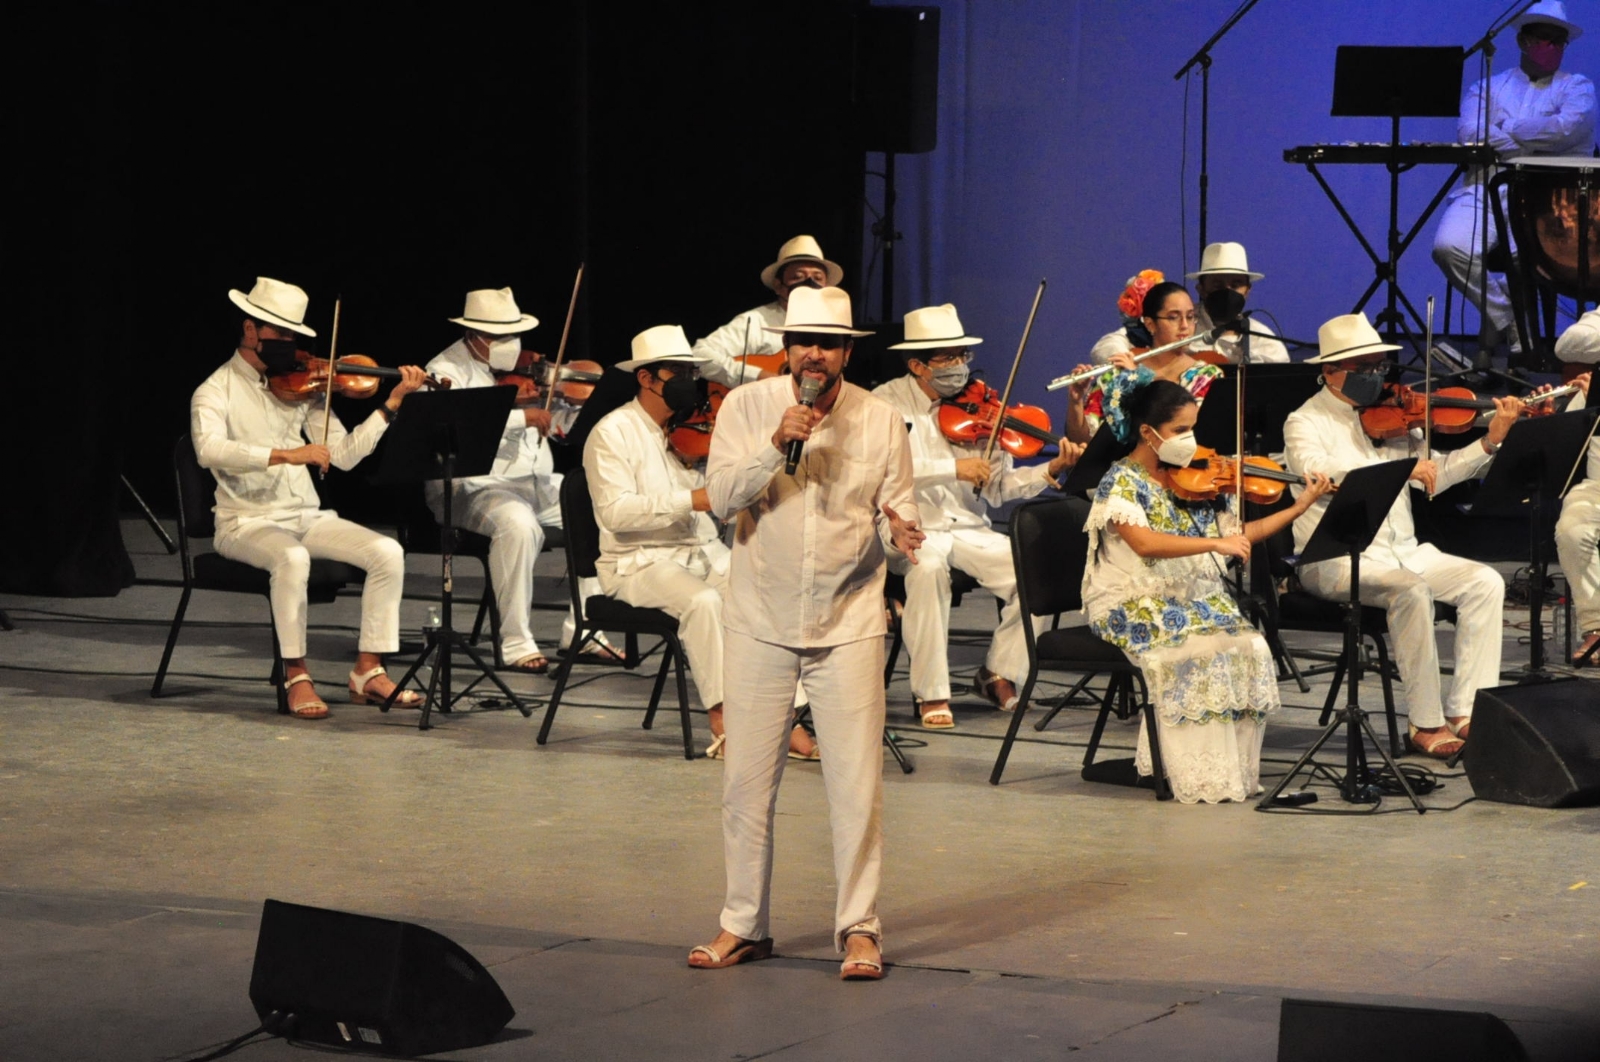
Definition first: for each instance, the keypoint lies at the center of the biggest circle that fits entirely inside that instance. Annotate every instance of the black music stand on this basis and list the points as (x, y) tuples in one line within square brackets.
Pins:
[(1394, 83), (1096, 460), (1275, 390), (445, 435), (1533, 465), (1347, 527)]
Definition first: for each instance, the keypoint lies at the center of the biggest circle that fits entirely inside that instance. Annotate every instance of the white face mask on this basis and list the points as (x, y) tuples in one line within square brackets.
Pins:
[(503, 353), (949, 381), (1177, 451)]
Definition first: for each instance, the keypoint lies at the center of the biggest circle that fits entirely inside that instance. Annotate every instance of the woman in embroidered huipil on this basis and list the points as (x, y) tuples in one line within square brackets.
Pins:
[(1154, 587), (1169, 316)]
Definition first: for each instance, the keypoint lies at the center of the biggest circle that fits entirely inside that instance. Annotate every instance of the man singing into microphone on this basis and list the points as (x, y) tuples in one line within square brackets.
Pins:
[(821, 490)]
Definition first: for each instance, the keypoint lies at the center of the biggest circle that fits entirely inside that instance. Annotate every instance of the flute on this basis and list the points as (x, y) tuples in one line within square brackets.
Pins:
[(1088, 374)]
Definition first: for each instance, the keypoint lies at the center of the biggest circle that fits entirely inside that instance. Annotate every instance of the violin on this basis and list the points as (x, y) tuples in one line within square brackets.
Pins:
[(970, 418), (1454, 409), (1210, 474), (690, 438), (355, 376), (532, 374)]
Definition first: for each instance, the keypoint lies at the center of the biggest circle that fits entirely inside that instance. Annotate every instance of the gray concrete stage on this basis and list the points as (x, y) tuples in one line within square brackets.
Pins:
[(138, 838)]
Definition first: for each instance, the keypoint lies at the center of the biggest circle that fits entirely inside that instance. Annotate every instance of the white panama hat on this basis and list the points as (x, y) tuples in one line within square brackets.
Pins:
[(1226, 258), (661, 343), (801, 249), (494, 310), (934, 327), (276, 303), (1348, 336), (1551, 13), (818, 310)]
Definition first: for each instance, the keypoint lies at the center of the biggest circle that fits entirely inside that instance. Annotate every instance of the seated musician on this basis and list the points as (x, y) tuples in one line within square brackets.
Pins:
[(1167, 315), (1536, 108), (1222, 265), (659, 548), (948, 477), (1578, 529), (1402, 576), (268, 512), (799, 263), (520, 497), (1155, 589)]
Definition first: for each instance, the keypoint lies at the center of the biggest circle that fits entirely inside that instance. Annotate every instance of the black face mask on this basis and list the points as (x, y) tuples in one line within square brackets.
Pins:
[(277, 355), (1363, 388), (681, 394)]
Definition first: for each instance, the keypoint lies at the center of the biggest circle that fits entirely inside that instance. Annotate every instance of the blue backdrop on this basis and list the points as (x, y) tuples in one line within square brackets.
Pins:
[(1066, 151)]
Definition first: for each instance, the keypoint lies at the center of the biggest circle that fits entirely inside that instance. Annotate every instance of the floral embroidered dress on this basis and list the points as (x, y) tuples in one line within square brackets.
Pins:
[(1103, 402), (1211, 677)]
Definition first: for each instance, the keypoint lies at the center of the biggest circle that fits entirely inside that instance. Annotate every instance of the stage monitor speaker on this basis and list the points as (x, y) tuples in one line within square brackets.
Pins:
[(369, 983), (1537, 744), (898, 73), (1312, 1031)]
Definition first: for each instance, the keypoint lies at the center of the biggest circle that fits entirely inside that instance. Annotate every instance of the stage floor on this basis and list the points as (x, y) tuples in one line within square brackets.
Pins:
[(1022, 921)]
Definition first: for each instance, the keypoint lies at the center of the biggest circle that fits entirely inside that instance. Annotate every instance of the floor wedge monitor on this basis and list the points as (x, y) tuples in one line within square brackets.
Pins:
[(1537, 744)]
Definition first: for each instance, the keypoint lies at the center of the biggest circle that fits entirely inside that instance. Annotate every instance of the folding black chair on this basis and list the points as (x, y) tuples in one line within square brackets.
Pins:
[(607, 613), (208, 570), (1050, 548)]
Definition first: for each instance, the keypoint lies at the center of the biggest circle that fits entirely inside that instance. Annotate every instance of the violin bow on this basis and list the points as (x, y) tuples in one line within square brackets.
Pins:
[(566, 330), (744, 362), (1427, 388), (333, 361), (1016, 362)]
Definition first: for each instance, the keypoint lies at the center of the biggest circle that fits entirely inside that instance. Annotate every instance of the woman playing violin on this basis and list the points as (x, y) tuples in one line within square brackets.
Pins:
[(1170, 317), (1154, 587)]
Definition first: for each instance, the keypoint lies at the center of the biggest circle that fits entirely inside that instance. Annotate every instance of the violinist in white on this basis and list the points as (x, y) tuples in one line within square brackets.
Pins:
[(800, 263)]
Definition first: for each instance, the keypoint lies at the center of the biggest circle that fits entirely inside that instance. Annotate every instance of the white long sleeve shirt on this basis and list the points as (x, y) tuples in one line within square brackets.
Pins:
[(1581, 343), (809, 549), (745, 334), (1325, 435), (1552, 116), (1262, 349), (643, 495), (523, 459), (236, 422), (945, 502)]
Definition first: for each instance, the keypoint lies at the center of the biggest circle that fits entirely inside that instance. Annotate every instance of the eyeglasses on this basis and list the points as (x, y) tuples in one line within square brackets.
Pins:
[(1179, 318), (945, 361)]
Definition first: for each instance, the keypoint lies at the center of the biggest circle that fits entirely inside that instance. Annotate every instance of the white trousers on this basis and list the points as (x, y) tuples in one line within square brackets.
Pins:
[(514, 524), (847, 706), (1459, 245), (1577, 541), (693, 596), (285, 550), (1407, 596), (986, 556)]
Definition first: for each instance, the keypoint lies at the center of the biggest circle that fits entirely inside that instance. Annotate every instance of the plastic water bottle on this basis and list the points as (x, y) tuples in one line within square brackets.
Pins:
[(431, 625)]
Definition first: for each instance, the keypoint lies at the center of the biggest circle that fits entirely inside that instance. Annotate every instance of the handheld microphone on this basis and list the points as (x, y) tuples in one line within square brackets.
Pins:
[(810, 388)]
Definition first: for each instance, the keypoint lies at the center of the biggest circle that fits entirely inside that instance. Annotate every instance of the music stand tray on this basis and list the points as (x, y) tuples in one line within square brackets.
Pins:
[(446, 435), (1096, 460), (1347, 528), (1534, 465), (1271, 391)]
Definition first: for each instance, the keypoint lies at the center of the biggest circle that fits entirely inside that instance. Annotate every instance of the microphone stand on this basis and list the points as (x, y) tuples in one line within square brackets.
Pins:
[(1202, 58), (1486, 45)]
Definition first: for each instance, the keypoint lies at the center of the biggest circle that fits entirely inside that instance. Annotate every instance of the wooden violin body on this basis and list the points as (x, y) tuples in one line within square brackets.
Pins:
[(690, 438), (970, 417), (356, 376), (1210, 474), (531, 376), (1452, 410)]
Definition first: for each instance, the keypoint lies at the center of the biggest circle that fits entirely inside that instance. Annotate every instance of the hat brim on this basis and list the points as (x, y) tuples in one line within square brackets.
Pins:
[(640, 363), (1351, 352), (1574, 31), (935, 344), (241, 300), (1197, 274), (526, 323), (770, 274), (826, 329)]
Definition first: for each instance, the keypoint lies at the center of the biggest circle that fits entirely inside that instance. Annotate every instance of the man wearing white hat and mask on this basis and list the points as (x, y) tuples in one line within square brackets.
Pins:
[(658, 546), (520, 496), (1578, 529), (817, 474), (955, 518), (800, 263), (268, 513), (1222, 265), (1536, 108), (1400, 575)]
